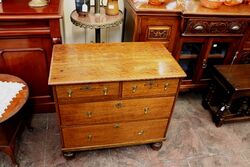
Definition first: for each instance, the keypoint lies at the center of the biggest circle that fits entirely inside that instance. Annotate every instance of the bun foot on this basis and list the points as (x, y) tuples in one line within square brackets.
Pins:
[(156, 146)]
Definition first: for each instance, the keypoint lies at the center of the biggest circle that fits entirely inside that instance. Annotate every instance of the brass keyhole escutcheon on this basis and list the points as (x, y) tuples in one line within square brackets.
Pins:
[(69, 92), (146, 110), (119, 105), (134, 88), (89, 137), (141, 132), (86, 87), (117, 125), (105, 91), (89, 114), (166, 86)]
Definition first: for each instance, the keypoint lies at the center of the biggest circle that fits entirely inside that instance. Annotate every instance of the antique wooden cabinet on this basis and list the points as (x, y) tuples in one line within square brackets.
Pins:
[(27, 36), (198, 37), (110, 95)]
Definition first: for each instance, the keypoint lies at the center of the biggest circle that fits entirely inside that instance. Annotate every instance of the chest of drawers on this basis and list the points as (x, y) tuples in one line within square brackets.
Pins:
[(110, 95)]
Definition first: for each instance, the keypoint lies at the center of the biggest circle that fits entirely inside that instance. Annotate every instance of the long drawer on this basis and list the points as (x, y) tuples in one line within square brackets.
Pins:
[(87, 92), (117, 110), (158, 87), (115, 133)]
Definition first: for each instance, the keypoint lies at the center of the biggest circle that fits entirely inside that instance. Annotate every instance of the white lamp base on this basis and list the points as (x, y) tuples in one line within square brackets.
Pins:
[(38, 3)]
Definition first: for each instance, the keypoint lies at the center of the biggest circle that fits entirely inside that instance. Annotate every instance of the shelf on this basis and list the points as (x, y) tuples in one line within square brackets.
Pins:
[(188, 56), (216, 56)]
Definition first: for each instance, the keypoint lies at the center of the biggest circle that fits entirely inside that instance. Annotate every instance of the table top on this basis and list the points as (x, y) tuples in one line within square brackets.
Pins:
[(106, 62), (17, 102), (237, 75), (92, 20)]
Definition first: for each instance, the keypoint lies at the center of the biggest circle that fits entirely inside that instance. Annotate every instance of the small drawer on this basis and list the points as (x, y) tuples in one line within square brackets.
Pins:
[(159, 87), (110, 111), (87, 92), (219, 26), (115, 133)]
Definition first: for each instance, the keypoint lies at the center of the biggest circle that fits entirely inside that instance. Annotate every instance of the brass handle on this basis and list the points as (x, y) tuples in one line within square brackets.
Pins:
[(141, 132), (199, 27), (146, 110), (166, 86), (204, 63), (90, 137), (119, 105), (69, 92), (235, 28), (134, 88), (105, 91), (89, 114), (117, 125), (86, 87)]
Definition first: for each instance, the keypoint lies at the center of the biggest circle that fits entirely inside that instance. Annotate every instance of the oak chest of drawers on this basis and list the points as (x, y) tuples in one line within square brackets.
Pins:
[(110, 95)]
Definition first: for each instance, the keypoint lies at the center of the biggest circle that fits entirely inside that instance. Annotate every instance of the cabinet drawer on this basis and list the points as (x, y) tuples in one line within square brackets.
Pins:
[(20, 27), (115, 133), (110, 111), (150, 88), (217, 26), (87, 92)]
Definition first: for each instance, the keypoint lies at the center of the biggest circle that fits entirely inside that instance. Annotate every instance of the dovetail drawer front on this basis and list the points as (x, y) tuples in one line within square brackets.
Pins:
[(73, 93), (114, 133), (220, 26), (162, 87), (110, 111)]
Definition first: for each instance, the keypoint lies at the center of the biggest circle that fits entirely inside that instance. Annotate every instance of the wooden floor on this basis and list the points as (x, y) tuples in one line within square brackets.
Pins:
[(192, 141)]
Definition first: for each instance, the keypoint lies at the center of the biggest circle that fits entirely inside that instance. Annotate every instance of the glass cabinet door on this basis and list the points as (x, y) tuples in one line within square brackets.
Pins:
[(218, 53), (189, 56)]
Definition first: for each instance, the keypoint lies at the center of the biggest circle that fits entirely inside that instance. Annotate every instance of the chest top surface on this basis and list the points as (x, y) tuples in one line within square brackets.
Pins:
[(237, 75), (105, 62)]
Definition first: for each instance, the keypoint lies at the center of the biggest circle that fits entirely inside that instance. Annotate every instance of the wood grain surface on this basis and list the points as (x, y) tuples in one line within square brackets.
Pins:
[(105, 62)]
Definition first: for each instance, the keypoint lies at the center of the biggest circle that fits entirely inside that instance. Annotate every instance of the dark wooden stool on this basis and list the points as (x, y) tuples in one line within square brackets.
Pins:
[(228, 97), (11, 122)]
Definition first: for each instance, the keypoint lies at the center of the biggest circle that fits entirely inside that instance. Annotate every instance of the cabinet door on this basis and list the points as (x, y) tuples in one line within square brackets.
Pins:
[(189, 52), (197, 56), (159, 29), (219, 51), (29, 59)]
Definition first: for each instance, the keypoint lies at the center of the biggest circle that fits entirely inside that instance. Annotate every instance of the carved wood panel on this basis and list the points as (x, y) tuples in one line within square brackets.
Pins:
[(158, 32), (200, 26)]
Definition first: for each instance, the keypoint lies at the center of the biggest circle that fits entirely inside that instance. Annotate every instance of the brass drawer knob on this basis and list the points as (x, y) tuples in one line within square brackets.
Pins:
[(86, 87), (166, 86), (199, 27), (117, 125), (105, 91), (89, 114), (119, 105), (141, 132), (134, 88), (146, 110), (89, 137), (235, 27), (69, 92)]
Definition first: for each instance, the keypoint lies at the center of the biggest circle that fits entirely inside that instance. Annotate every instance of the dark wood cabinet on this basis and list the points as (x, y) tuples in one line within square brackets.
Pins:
[(197, 37), (27, 36)]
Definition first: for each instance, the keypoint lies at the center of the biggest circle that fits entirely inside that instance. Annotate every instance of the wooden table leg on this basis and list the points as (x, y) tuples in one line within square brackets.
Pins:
[(98, 35)]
